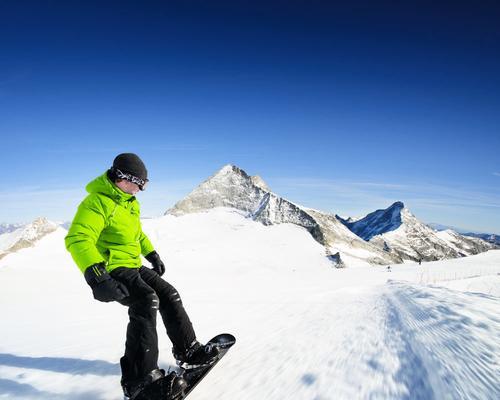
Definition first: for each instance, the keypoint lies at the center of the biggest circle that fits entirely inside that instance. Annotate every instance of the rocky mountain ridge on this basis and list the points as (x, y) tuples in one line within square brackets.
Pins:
[(385, 236), (233, 187), (492, 238), (397, 230), (488, 237)]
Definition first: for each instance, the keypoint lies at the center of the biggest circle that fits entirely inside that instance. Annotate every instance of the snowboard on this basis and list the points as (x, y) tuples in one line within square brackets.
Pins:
[(195, 375)]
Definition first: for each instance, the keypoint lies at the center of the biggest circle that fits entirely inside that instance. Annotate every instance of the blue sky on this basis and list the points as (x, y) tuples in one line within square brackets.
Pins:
[(341, 108)]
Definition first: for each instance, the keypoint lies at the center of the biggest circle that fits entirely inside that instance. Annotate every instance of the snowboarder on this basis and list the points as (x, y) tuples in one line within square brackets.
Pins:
[(106, 241)]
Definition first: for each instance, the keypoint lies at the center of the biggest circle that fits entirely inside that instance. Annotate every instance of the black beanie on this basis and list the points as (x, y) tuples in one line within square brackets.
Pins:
[(130, 163)]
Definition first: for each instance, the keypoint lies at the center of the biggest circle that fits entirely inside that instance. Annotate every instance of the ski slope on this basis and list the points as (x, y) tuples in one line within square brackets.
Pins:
[(305, 331)]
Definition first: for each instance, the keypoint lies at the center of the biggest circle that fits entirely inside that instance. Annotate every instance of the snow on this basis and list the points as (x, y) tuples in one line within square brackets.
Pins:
[(304, 330), (8, 239), (489, 285)]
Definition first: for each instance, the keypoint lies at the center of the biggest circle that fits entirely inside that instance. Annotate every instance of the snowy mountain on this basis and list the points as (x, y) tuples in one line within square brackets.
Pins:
[(464, 244), (488, 237), (7, 228), (25, 235), (418, 332), (440, 227), (232, 187), (398, 231)]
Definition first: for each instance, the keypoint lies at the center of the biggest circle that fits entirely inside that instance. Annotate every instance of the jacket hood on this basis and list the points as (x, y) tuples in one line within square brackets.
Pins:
[(103, 185)]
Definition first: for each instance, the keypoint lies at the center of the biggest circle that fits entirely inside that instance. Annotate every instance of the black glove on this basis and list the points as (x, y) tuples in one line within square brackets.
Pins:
[(156, 262), (104, 287)]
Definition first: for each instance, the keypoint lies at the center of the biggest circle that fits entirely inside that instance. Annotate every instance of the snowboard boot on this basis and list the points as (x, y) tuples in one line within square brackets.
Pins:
[(155, 386), (198, 355)]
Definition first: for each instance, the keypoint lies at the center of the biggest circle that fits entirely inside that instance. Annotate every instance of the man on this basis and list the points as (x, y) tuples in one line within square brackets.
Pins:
[(106, 241)]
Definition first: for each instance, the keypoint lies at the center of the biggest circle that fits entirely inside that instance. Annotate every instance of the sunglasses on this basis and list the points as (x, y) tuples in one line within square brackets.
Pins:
[(142, 183)]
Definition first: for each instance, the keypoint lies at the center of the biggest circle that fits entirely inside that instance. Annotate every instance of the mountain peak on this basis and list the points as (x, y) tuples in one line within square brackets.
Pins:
[(377, 222), (228, 187), (230, 169), (397, 204)]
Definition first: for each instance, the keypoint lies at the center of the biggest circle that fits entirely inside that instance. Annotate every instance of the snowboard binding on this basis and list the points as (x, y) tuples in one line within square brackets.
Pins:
[(165, 387)]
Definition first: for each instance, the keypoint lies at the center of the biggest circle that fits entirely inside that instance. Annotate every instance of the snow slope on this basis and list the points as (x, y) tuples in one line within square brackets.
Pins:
[(305, 330)]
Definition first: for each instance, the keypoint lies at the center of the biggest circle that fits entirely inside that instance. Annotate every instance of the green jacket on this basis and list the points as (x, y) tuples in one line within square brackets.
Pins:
[(107, 228)]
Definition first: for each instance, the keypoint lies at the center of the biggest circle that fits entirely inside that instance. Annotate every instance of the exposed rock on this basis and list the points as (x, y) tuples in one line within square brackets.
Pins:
[(336, 260), (259, 182), (377, 222)]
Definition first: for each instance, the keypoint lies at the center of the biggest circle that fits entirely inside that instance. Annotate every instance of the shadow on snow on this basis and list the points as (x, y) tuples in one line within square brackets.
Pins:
[(73, 366), (15, 390)]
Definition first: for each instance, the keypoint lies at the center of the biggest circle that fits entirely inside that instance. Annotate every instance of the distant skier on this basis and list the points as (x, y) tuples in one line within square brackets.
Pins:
[(419, 261), (106, 241), (389, 268)]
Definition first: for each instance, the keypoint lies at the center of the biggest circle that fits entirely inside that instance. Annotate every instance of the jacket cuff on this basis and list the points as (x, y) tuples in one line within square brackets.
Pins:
[(96, 273), (152, 256)]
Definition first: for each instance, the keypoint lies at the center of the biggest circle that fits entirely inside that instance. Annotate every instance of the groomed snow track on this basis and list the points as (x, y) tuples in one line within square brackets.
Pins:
[(447, 349)]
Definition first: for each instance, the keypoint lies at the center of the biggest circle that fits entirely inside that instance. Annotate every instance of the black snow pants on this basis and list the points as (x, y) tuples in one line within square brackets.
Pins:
[(148, 293)]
